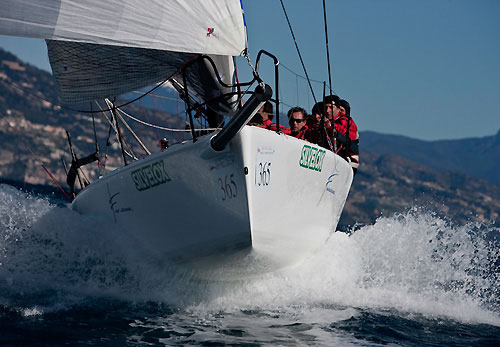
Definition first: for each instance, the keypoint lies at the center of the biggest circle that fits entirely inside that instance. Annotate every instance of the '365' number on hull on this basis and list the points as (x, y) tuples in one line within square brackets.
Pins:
[(228, 187), (263, 174)]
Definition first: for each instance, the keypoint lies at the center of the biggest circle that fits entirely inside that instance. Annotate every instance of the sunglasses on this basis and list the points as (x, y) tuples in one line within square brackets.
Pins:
[(296, 120)]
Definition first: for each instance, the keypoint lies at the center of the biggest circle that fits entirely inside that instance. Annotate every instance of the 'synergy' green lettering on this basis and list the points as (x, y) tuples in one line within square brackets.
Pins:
[(150, 176), (312, 158)]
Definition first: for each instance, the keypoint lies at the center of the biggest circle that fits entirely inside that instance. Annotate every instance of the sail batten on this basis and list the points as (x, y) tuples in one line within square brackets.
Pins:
[(203, 26)]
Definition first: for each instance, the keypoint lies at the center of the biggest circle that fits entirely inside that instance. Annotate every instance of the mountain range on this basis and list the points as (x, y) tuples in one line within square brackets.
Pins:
[(478, 157), (457, 179)]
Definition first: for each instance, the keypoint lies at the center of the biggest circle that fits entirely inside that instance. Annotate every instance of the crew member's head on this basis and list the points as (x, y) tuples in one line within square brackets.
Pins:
[(317, 110), (266, 111), (297, 118), (331, 106), (344, 106)]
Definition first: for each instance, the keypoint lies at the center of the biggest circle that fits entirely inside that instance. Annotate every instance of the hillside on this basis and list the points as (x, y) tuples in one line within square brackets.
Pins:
[(33, 126), (388, 183), (396, 173), (472, 156)]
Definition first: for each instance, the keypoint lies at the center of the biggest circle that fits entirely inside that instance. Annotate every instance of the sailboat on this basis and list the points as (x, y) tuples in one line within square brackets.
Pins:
[(237, 190)]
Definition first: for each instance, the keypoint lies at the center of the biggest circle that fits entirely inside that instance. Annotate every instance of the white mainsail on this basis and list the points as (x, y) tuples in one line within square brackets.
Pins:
[(101, 49)]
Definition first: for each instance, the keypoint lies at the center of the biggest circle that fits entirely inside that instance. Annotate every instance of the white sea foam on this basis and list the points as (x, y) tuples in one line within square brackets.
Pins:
[(413, 263), (47, 250)]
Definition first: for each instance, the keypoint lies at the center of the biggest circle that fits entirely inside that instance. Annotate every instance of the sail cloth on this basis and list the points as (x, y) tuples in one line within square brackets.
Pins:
[(85, 71), (194, 26), (100, 49)]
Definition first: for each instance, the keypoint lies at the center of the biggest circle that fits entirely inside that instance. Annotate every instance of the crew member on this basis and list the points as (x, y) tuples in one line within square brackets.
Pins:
[(316, 114), (267, 115), (297, 120), (322, 133), (347, 135), (266, 111), (331, 131)]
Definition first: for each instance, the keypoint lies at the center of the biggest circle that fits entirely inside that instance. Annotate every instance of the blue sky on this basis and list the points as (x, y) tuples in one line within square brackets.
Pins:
[(427, 69)]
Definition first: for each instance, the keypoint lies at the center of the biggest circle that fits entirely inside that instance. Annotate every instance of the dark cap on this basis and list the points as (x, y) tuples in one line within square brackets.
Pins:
[(331, 99), (318, 108), (343, 103)]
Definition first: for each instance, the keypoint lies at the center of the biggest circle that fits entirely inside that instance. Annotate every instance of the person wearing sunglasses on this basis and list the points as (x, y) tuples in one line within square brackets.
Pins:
[(297, 120)]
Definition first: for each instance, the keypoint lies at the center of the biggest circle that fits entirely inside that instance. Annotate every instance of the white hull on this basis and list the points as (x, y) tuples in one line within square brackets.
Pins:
[(260, 194)]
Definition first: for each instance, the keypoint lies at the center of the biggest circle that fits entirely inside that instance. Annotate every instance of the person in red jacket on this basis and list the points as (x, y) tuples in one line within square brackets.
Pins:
[(297, 120), (316, 114), (266, 111), (264, 119), (347, 135), (332, 129), (322, 133)]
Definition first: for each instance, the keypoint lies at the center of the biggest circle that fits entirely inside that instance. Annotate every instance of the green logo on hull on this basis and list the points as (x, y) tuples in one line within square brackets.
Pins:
[(312, 158), (150, 176)]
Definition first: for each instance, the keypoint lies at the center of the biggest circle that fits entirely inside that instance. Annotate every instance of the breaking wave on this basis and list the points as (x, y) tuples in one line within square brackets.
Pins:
[(52, 258)]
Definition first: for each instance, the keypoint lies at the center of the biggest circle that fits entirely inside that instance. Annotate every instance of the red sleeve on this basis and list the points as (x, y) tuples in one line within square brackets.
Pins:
[(353, 131), (268, 123), (285, 131), (341, 127)]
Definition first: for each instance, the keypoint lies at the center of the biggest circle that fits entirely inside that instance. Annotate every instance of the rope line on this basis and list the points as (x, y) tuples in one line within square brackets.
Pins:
[(157, 96), (158, 126), (150, 92)]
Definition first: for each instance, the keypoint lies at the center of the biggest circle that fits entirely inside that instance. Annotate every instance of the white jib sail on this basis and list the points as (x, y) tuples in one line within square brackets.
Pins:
[(86, 72), (192, 26)]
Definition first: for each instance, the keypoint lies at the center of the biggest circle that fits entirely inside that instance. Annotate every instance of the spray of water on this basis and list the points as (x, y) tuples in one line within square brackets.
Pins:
[(416, 262)]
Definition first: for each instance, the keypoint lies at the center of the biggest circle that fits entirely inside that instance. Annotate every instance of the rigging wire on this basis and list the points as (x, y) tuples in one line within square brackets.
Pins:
[(305, 71), (134, 135), (51, 176), (150, 92), (157, 107), (56, 182), (143, 94), (114, 124), (327, 49), (158, 126), (95, 132), (87, 111), (298, 51), (157, 96), (298, 75), (119, 106)]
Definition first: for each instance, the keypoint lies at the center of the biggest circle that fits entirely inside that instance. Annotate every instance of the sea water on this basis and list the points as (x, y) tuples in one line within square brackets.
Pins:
[(410, 279)]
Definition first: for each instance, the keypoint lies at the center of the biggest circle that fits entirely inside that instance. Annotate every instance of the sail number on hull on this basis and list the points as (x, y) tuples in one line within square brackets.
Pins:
[(228, 187), (263, 174), (263, 167)]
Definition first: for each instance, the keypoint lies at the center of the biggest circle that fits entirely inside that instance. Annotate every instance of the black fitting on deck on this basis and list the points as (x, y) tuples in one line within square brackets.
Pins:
[(253, 104)]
